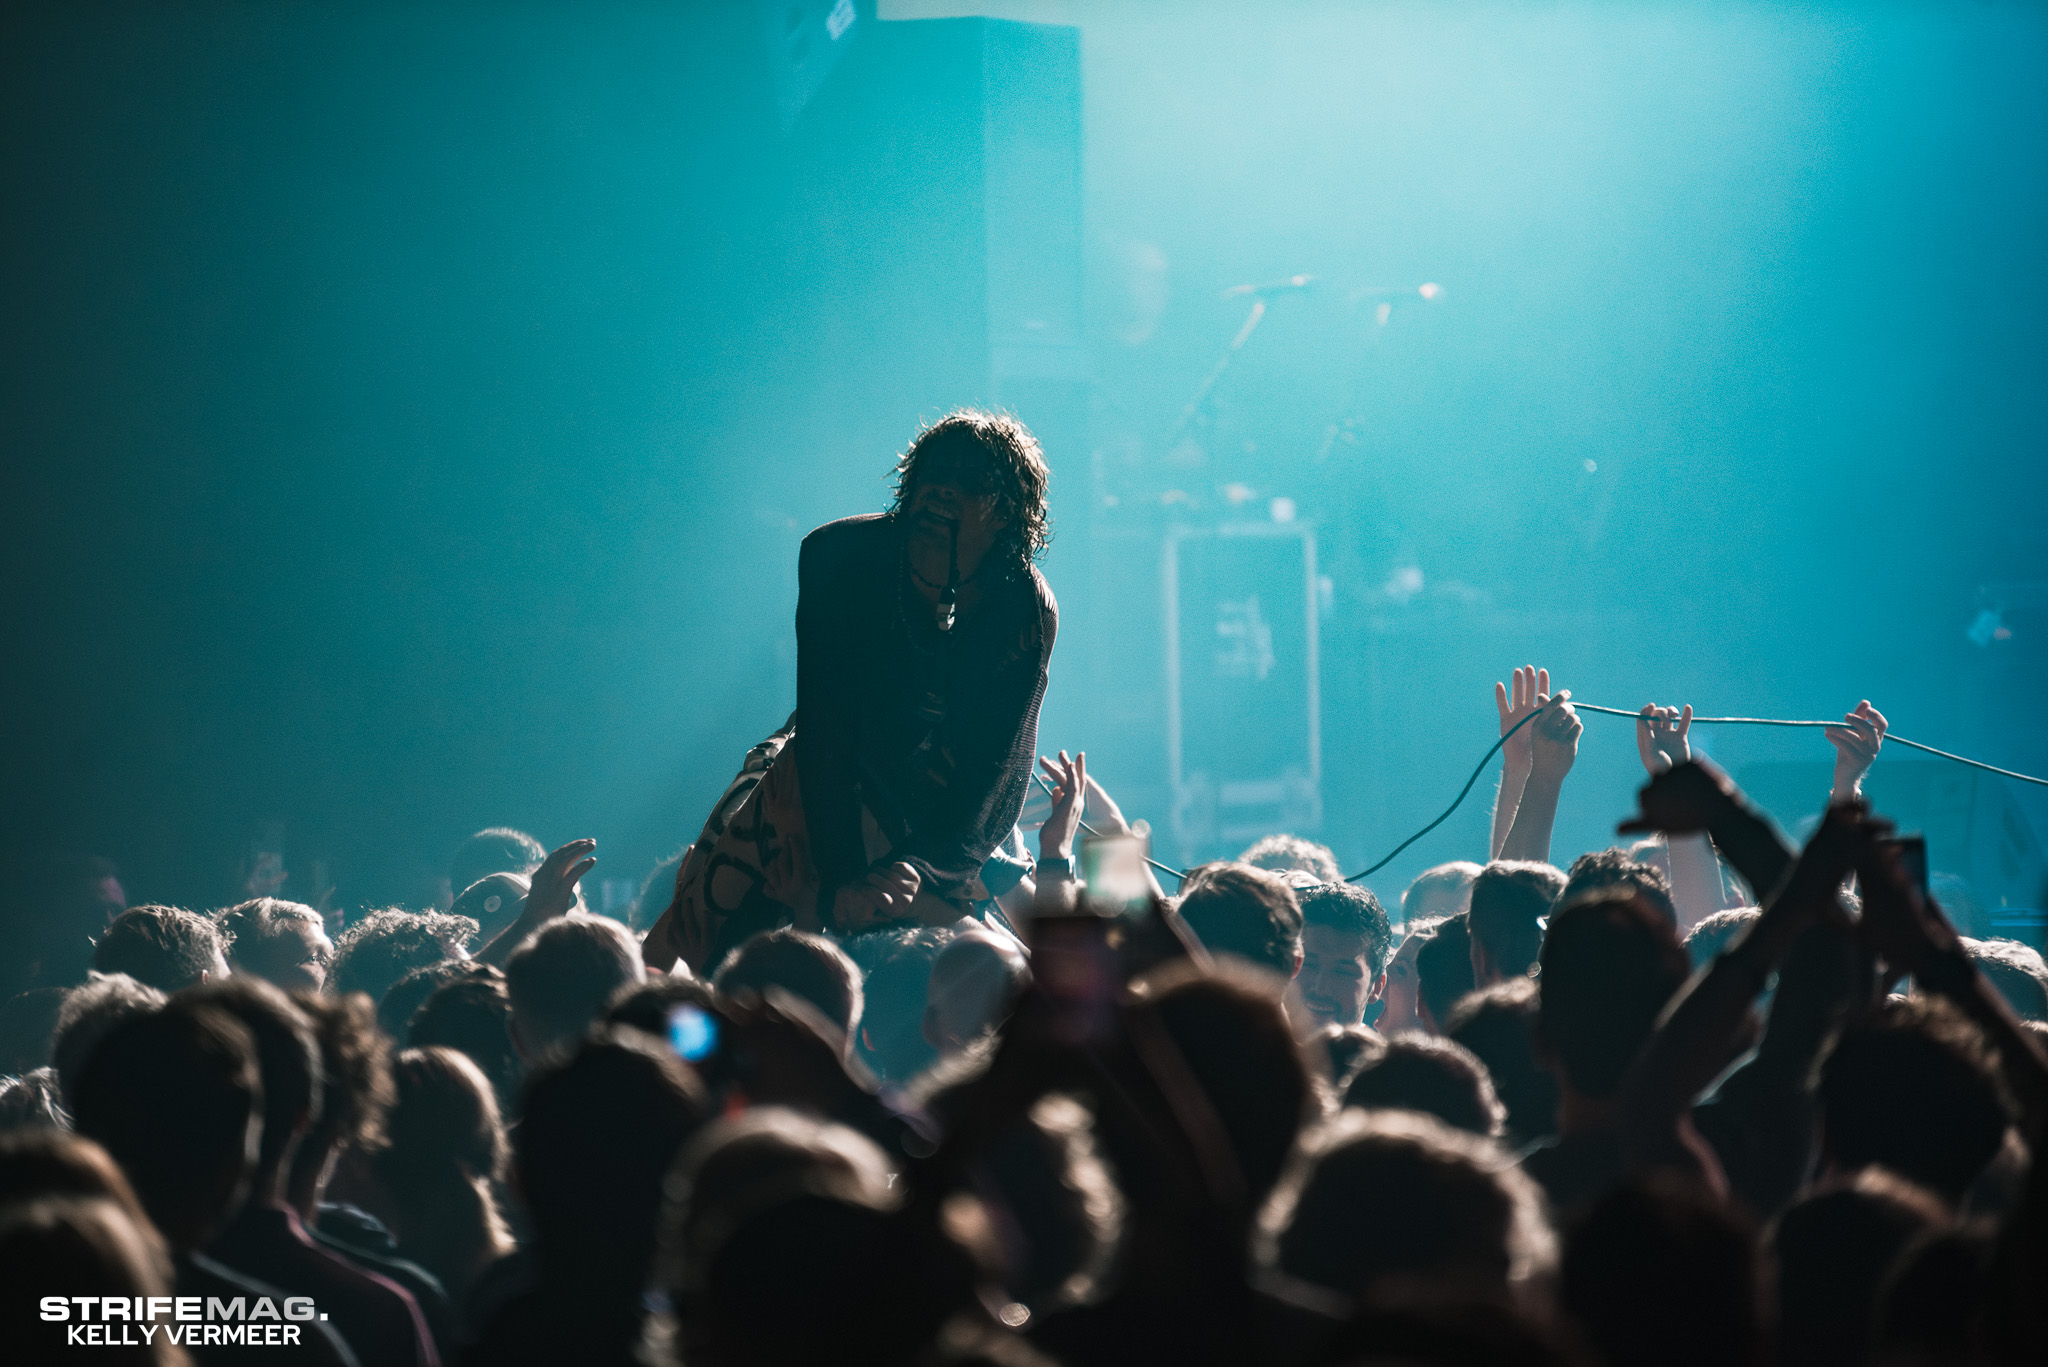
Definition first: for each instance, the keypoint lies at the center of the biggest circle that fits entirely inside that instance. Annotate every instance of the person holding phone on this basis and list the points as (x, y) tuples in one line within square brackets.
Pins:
[(923, 639)]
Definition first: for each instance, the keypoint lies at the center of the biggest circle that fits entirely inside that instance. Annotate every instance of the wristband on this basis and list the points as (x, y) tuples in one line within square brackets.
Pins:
[(1062, 869)]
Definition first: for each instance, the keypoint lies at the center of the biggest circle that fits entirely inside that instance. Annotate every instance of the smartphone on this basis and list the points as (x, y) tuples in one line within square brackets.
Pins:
[(1077, 966), (1913, 854), (692, 1033)]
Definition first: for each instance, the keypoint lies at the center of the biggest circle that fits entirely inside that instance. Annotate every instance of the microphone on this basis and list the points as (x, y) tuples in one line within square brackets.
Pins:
[(1292, 284)]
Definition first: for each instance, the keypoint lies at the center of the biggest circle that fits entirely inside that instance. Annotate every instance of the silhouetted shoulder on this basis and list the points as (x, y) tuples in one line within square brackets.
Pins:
[(850, 540)]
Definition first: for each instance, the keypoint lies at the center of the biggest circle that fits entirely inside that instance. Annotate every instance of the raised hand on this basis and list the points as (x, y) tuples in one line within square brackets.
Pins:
[(1555, 744), (1857, 741), (553, 890), (1661, 737), (1069, 794), (1529, 683), (884, 895), (551, 893)]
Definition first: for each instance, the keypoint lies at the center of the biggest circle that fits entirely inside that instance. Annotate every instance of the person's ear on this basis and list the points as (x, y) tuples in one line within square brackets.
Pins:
[(1298, 958), (1379, 988)]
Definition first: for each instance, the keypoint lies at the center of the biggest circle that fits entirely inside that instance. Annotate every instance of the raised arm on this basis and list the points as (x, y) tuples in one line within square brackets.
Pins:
[(1910, 932), (1515, 754), (1663, 741), (550, 895), (1553, 747), (1704, 1025), (1857, 741)]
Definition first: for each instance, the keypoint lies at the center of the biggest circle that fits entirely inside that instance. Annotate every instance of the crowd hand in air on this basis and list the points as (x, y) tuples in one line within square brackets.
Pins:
[(1661, 737), (1553, 746), (1909, 931), (1695, 875), (1856, 743), (1514, 703), (1530, 684), (551, 894), (884, 895), (1555, 743), (1069, 779)]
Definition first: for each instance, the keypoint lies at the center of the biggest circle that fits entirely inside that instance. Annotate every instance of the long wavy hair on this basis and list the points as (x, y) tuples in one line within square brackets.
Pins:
[(1017, 474)]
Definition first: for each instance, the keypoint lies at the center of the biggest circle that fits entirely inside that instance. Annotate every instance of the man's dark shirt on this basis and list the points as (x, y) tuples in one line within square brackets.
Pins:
[(933, 732), (377, 1319), (199, 1275), (1577, 1170)]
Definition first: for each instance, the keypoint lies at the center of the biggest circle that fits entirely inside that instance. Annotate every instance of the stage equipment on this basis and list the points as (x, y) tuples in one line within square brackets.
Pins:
[(1243, 709)]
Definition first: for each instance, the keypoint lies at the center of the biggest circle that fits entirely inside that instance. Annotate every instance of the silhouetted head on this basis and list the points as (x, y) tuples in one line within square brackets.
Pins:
[(167, 948), (499, 849), (1418, 1072), (51, 1162), (473, 1014), (983, 472), (1293, 854), (1498, 1024), (89, 1246), (403, 999), (1658, 1272), (1227, 1026), (443, 1128), (1380, 1201), (1716, 933), (288, 1059), (384, 946), (1249, 913), (1611, 960), (797, 1251), (1445, 890), (1613, 867), (561, 980), (1912, 1085), (1833, 1248), (973, 982), (597, 1133), (1443, 971), (896, 970), (1510, 898), (176, 1099), (89, 1013), (2017, 971), (283, 943), (809, 967)]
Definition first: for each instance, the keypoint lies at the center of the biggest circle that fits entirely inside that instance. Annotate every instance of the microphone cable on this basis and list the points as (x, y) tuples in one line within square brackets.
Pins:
[(1889, 739)]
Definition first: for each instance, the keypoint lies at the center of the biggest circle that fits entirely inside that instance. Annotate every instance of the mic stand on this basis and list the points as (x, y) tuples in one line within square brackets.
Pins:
[(1197, 405)]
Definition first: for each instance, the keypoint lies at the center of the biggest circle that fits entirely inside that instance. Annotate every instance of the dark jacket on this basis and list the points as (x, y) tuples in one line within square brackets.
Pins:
[(933, 733)]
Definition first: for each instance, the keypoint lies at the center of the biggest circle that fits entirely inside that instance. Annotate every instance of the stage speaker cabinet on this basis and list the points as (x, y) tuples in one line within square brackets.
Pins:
[(805, 40), (1976, 831), (1243, 712)]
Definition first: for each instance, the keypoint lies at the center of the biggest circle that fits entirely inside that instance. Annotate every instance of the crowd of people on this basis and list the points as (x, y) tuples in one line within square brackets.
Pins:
[(1701, 1099)]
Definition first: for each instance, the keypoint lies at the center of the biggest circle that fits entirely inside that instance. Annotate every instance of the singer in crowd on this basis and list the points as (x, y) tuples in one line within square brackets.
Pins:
[(923, 637)]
